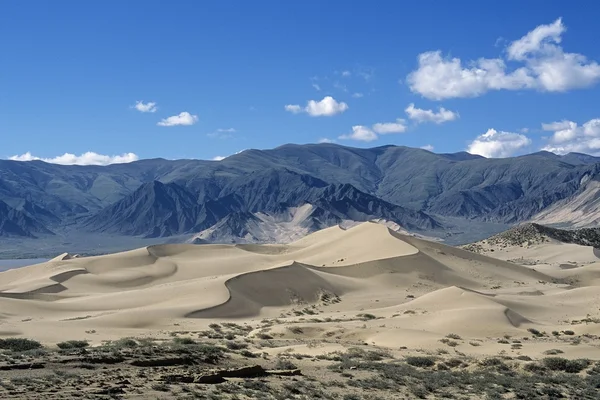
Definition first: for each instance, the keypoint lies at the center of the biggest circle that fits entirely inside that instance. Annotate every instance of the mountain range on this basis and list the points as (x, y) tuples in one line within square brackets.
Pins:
[(302, 187)]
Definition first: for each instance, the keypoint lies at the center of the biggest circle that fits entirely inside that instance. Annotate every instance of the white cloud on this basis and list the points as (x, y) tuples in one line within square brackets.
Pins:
[(357, 95), (438, 78), (524, 130), (361, 133), (222, 133), (145, 107), (497, 144), (293, 108), (569, 137), (324, 108), (218, 158), (366, 134), (325, 140), (533, 41), (183, 119), (317, 87), (390, 127), (421, 115), (89, 158), (346, 73), (427, 147), (545, 67)]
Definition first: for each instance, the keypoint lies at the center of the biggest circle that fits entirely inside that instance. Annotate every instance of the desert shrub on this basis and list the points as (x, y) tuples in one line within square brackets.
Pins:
[(562, 364), (420, 361), (366, 316), (264, 336), (236, 345), (454, 362), (185, 341), (534, 332), (553, 352), (19, 344), (453, 336), (285, 364), (569, 333), (124, 343), (248, 354), (72, 344), (524, 358)]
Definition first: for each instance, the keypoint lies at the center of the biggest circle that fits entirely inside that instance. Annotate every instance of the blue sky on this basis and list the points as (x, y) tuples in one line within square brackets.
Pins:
[(495, 78)]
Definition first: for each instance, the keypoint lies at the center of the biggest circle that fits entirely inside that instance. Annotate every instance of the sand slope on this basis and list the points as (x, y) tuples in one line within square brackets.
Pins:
[(414, 292)]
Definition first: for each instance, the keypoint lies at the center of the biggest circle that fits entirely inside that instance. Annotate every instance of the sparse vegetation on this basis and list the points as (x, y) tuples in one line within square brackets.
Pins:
[(19, 344), (72, 344)]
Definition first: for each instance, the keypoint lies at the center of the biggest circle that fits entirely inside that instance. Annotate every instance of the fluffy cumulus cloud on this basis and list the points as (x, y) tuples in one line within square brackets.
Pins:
[(183, 119), (218, 158), (419, 115), (384, 128), (569, 137), (145, 107), (427, 147), (544, 66), (365, 134), (89, 158), (323, 108), (361, 133), (495, 144)]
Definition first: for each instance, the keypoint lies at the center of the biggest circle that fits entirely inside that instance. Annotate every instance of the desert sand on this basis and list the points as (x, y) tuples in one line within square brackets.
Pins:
[(366, 284)]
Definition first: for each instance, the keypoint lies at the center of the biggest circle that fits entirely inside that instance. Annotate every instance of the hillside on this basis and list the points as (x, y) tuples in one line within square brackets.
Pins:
[(417, 189), (530, 234)]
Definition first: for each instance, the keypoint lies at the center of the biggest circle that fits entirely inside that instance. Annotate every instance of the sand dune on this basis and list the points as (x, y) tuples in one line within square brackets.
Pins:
[(340, 286)]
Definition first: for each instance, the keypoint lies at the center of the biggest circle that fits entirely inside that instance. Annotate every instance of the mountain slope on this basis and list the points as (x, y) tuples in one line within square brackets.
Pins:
[(452, 186), (17, 223), (153, 210)]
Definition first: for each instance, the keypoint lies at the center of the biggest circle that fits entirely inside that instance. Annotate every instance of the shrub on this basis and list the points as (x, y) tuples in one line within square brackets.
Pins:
[(236, 345), (19, 344), (562, 364), (248, 354), (420, 361), (72, 344), (125, 342), (264, 336), (366, 316), (453, 336), (534, 332), (285, 364), (553, 352), (184, 341), (569, 333)]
